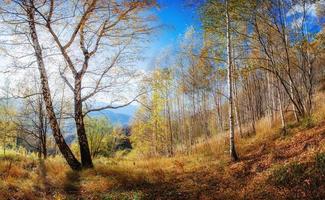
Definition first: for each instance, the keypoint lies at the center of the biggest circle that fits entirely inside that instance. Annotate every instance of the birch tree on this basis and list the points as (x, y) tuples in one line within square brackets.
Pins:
[(89, 46)]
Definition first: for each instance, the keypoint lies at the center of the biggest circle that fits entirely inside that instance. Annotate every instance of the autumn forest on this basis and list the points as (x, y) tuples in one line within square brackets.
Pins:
[(162, 99)]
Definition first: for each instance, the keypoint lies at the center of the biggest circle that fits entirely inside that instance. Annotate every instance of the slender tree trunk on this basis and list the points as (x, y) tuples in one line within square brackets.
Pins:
[(233, 153), (42, 128), (310, 88), (253, 104), (44, 147), (237, 111), (273, 99), (219, 112), (64, 148), (236, 107), (180, 134), (270, 107), (156, 137), (39, 149), (192, 121), (206, 115), (283, 122), (171, 149), (61, 113), (79, 120), (184, 122), (285, 43)]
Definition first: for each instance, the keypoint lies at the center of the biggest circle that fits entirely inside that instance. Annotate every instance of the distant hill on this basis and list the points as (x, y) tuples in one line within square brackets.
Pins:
[(121, 116), (113, 117)]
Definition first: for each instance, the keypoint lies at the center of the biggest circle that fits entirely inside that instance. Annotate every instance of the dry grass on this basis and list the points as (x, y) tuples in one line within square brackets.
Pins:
[(319, 109), (271, 167), (198, 176)]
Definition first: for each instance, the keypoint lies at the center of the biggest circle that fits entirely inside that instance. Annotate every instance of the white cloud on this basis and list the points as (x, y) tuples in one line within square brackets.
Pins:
[(297, 23), (299, 9)]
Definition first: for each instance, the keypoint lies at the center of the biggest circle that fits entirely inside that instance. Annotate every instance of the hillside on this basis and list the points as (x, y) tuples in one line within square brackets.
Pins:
[(270, 167), (121, 116), (162, 100), (113, 117)]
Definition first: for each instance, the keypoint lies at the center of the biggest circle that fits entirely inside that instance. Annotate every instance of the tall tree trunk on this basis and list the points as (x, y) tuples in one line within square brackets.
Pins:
[(233, 153), (184, 121), (283, 122), (170, 128), (180, 124), (192, 121), (156, 138), (270, 107), (59, 139), (237, 111), (44, 147), (251, 104), (273, 94), (61, 112), (79, 120), (286, 47), (205, 115), (254, 103), (42, 129), (217, 100)]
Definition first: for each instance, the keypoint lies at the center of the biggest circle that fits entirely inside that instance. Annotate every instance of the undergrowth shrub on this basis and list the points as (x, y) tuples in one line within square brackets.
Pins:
[(307, 178), (290, 174), (307, 122), (320, 162)]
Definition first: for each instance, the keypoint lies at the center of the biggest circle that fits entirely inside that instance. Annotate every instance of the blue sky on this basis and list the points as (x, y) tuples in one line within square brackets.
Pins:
[(175, 16)]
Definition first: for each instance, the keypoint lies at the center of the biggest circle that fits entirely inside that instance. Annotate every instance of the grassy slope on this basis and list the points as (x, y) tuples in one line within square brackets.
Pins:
[(270, 167)]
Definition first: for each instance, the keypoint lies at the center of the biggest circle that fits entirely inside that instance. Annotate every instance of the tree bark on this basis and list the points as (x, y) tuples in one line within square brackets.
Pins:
[(42, 129), (217, 100), (80, 125), (171, 135), (64, 148), (237, 111), (233, 153), (283, 122)]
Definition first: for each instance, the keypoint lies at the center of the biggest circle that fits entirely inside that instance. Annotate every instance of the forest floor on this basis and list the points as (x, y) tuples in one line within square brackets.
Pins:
[(271, 166), (275, 167)]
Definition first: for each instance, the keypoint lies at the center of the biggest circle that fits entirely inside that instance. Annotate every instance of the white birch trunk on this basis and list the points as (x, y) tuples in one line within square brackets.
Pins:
[(233, 153)]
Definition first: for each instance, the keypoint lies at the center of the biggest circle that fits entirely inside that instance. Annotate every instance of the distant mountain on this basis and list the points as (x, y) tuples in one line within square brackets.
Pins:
[(121, 116), (127, 110), (114, 117), (70, 138)]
